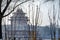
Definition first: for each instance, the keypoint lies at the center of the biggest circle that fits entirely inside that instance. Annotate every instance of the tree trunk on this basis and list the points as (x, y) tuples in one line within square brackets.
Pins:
[(51, 31), (0, 28)]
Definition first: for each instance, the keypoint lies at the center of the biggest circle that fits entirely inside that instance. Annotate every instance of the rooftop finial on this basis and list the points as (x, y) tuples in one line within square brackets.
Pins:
[(19, 10)]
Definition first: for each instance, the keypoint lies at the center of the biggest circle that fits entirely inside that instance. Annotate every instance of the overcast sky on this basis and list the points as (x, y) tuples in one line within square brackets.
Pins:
[(44, 7)]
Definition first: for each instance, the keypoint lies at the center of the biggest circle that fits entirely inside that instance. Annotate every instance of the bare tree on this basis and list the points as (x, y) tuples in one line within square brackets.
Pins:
[(36, 20), (2, 12), (52, 23)]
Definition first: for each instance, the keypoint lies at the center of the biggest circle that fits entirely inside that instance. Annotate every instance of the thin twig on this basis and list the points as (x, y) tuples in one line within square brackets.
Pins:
[(14, 9)]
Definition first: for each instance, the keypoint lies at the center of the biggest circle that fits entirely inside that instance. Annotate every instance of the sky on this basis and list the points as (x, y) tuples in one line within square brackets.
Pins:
[(43, 13), (44, 7)]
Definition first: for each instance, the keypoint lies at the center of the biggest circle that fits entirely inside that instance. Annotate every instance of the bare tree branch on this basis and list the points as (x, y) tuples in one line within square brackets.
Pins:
[(14, 8), (49, 16), (8, 2), (0, 5), (1, 1), (48, 0)]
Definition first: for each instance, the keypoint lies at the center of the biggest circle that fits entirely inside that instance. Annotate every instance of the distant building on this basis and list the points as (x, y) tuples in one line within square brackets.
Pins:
[(19, 27)]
